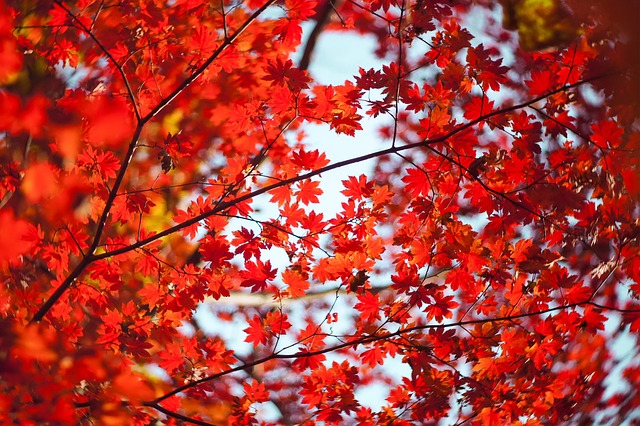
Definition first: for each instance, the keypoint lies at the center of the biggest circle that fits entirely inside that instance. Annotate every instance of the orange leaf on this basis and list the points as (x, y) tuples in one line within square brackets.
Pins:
[(12, 242), (39, 182), (133, 388)]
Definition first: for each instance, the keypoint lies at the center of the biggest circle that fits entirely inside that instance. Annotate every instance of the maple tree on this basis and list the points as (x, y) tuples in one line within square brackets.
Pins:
[(166, 251)]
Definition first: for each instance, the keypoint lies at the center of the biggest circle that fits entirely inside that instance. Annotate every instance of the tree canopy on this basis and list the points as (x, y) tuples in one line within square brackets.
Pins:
[(171, 252)]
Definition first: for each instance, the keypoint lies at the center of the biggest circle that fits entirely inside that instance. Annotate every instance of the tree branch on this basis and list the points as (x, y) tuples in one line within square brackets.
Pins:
[(201, 69), (175, 415), (376, 338), (106, 52), (222, 206), (322, 18), (90, 257)]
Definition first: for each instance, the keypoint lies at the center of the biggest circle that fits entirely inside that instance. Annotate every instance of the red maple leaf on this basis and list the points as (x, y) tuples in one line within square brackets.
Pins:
[(477, 107), (369, 306), (373, 356), (167, 172), (297, 285), (257, 274), (417, 182), (308, 192), (256, 332)]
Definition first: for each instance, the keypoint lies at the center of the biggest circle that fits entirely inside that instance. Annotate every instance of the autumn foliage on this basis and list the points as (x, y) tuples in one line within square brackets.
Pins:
[(170, 251)]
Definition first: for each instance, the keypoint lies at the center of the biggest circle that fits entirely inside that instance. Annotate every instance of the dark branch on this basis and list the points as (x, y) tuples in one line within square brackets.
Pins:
[(376, 338), (107, 54), (322, 18), (222, 206), (90, 257), (175, 415)]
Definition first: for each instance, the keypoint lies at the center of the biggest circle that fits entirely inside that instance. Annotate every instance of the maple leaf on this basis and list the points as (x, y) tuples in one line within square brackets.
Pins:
[(103, 162), (256, 392), (189, 231), (477, 107), (369, 306), (308, 192), (541, 82), (289, 31), (593, 319), (280, 101), (486, 223), (414, 99), (559, 124), (313, 222), (300, 9), (578, 294), (442, 308), (277, 322), (257, 274), (438, 119), (373, 356), (297, 285), (606, 134), (305, 361), (12, 240), (247, 243), (488, 72), (284, 73), (216, 251), (417, 182), (357, 188), (347, 124), (309, 160), (172, 358), (480, 198), (150, 295), (486, 368), (281, 195), (256, 332)]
